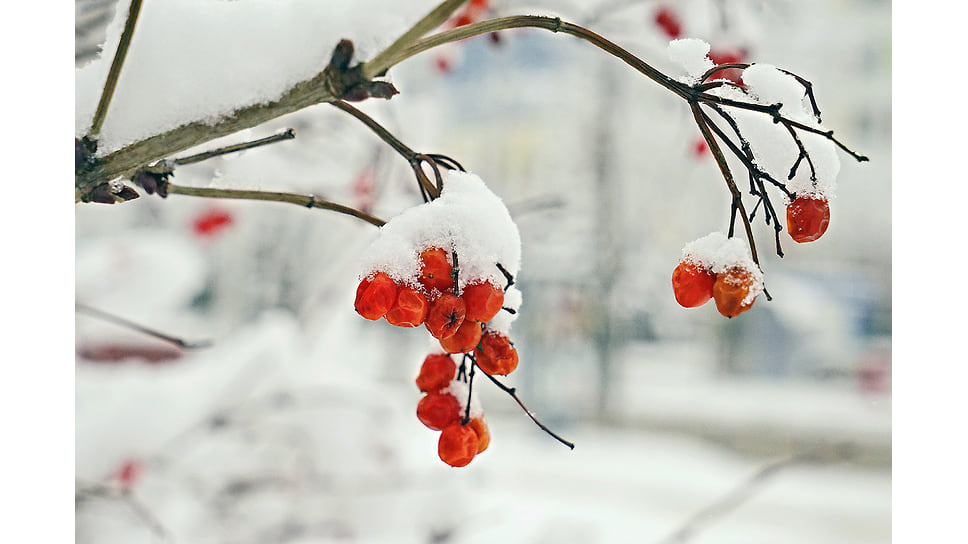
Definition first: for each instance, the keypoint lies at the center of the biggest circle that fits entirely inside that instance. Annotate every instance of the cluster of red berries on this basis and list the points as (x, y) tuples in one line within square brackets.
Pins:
[(808, 218), (717, 268), (463, 431), (694, 284), (458, 321)]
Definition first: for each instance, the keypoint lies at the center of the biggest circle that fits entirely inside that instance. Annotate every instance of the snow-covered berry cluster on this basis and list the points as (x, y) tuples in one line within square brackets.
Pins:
[(448, 407), (719, 268), (449, 265)]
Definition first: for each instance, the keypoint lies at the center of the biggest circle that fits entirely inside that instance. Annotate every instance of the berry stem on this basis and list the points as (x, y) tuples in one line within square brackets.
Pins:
[(511, 391), (470, 391)]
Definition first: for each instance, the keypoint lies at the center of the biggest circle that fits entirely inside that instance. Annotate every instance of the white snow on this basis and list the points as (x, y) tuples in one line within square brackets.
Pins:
[(198, 60), (467, 218), (690, 54)]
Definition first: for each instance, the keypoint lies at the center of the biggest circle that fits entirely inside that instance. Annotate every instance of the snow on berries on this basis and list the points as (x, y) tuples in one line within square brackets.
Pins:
[(719, 268), (449, 265)]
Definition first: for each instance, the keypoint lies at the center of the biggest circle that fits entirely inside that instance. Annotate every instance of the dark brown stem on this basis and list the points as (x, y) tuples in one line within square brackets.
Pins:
[(100, 314), (115, 71), (511, 391), (727, 175), (306, 201), (289, 134)]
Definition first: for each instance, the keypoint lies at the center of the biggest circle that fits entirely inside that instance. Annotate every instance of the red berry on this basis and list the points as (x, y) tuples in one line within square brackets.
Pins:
[(129, 473), (375, 296), (484, 301), (463, 19), (435, 270), (483, 433), (409, 310), (692, 284), (731, 291), (668, 22), (727, 57), (436, 372), (808, 218), (466, 338), (457, 445), (438, 410), (446, 316), (211, 222), (495, 355), (699, 147)]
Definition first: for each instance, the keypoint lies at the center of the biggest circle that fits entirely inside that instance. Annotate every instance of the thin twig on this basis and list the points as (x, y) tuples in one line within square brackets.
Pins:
[(289, 134), (100, 314), (743, 492), (432, 20), (511, 391), (306, 201), (91, 489), (112, 80)]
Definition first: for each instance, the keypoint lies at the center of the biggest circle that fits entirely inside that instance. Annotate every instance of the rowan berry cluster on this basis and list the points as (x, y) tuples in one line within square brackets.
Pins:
[(717, 268), (448, 407)]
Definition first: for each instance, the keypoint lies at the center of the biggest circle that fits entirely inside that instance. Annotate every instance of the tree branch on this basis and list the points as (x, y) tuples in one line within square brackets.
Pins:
[(112, 80), (100, 314), (306, 201)]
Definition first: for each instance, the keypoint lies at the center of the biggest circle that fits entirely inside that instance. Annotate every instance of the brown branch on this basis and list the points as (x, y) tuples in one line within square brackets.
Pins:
[(106, 492), (100, 314), (306, 201), (289, 134), (115, 71)]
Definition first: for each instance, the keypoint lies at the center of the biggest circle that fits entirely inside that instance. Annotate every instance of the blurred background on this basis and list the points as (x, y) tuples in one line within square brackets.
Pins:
[(297, 423)]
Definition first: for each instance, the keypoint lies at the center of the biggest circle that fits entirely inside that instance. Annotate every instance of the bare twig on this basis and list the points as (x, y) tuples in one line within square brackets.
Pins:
[(512, 392), (432, 20), (307, 201), (288, 134), (102, 491), (112, 80), (100, 314), (744, 491)]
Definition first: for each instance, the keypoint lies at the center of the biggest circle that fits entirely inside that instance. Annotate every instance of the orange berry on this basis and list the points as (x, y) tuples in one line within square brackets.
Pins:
[(435, 270), (446, 316), (495, 355), (808, 218), (457, 445), (436, 372), (438, 410), (465, 339), (692, 284), (409, 310), (484, 301), (731, 290), (483, 434), (375, 296)]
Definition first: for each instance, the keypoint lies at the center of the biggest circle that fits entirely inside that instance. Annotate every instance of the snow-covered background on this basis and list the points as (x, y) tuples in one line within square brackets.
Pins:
[(298, 424)]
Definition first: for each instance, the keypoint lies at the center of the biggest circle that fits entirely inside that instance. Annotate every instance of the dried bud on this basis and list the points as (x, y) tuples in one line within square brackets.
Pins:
[(153, 182), (342, 55)]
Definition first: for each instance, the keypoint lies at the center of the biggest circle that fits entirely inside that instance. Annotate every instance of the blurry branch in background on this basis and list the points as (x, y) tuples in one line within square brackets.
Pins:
[(84, 491), (99, 314), (746, 490)]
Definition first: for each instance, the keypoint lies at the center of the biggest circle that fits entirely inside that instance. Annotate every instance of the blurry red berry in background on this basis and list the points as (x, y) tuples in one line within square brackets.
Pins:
[(443, 64), (667, 20), (129, 473), (211, 221), (699, 147), (363, 190), (728, 57)]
